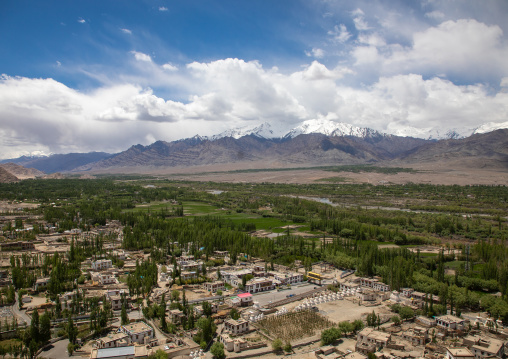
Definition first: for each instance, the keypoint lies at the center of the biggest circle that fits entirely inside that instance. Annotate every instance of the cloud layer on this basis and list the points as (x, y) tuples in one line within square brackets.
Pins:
[(380, 69)]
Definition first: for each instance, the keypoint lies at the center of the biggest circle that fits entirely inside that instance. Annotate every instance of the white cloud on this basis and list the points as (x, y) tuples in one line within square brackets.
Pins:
[(58, 64), (141, 56), (126, 31), (436, 15), (43, 114), (316, 52), (340, 33), (163, 8), (359, 20), (81, 20), (169, 67)]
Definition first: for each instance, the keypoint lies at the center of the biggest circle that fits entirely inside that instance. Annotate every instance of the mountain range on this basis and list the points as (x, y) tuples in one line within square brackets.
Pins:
[(312, 143)]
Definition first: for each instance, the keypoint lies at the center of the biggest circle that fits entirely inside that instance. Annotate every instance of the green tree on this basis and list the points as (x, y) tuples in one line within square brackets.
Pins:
[(288, 348), (34, 326), (277, 345), (234, 314), (406, 313), (396, 320), (70, 349), (217, 350), (329, 336), (124, 317), (45, 328)]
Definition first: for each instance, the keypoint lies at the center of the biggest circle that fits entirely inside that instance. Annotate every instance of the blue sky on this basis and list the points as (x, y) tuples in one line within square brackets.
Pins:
[(103, 75)]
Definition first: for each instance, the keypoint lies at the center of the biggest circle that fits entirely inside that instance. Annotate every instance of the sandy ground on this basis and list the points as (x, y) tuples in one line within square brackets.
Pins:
[(428, 174), (8, 206)]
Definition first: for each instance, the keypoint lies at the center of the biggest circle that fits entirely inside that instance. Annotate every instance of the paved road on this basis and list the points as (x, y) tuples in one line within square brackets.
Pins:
[(20, 313), (57, 350)]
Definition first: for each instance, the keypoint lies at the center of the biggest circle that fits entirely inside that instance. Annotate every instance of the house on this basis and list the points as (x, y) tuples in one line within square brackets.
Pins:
[(375, 284), (232, 344), (416, 335), (113, 340), (485, 347), (366, 295), (41, 283), (450, 322), (102, 264), (288, 278), (213, 287), (242, 300), (139, 332), (106, 278), (188, 275), (257, 285), (176, 316), (116, 302), (459, 353), (370, 340), (236, 327), (427, 322)]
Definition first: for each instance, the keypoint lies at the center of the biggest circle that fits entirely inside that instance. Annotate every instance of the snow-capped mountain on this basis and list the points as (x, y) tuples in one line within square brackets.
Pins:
[(265, 130), (490, 126), (330, 128), (334, 128)]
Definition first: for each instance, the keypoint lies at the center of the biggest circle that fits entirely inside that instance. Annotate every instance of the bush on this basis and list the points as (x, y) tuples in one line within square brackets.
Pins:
[(328, 336), (288, 348), (277, 345), (217, 350)]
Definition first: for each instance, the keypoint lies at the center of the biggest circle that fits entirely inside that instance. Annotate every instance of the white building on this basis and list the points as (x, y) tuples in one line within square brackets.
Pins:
[(139, 332), (288, 278), (102, 264), (236, 327), (258, 285)]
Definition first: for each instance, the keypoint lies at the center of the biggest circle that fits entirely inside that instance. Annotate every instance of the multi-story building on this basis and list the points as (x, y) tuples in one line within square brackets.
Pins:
[(288, 278), (102, 264), (370, 340), (257, 285), (459, 353), (213, 287), (450, 322), (236, 327), (139, 332)]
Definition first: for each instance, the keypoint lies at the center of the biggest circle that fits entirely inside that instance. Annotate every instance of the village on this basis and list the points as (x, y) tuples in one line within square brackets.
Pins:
[(255, 308)]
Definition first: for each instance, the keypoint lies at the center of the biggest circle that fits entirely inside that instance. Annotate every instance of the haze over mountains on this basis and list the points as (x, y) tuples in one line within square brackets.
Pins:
[(312, 143)]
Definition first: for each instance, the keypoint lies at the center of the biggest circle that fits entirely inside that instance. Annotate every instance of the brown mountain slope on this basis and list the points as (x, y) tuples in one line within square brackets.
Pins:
[(6, 176), (487, 150), (21, 172)]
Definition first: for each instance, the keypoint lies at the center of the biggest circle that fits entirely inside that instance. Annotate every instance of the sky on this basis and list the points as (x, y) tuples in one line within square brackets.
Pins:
[(88, 75)]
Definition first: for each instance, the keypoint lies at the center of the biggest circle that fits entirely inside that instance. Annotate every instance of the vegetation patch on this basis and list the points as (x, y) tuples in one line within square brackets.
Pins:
[(294, 326)]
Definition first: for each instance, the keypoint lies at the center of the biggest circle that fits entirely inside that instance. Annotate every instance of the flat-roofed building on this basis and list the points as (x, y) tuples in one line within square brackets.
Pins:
[(102, 264), (450, 322), (288, 278), (139, 332), (459, 353), (213, 287), (113, 340), (375, 284), (236, 327), (257, 285), (486, 347), (369, 340)]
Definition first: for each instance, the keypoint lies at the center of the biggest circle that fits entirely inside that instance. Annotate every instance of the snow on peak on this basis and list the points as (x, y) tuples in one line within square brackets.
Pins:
[(329, 128), (265, 130), (490, 126)]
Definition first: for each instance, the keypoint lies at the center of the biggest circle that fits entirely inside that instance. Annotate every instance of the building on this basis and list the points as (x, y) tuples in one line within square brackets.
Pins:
[(375, 284), (113, 341), (370, 340), (102, 264), (450, 322), (242, 300), (139, 332), (236, 327), (416, 335), (288, 278), (129, 352), (213, 287), (485, 347), (258, 285), (41, 284), (366, 295), (232, 344), (459, 353), (176, 316), (17, 246), (105, 279), (188, 276), (234, 278)]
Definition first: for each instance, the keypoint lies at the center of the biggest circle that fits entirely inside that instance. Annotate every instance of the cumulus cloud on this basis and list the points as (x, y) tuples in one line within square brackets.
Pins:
[(169, 67), (141, 56), (340, 33), (44, 114), (315, 52), (359, 20)]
